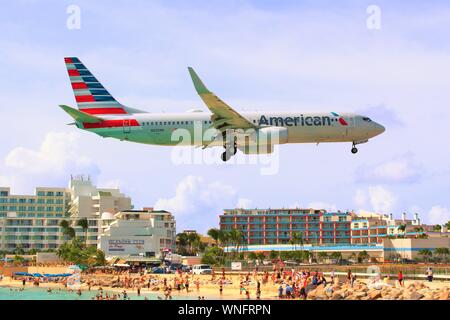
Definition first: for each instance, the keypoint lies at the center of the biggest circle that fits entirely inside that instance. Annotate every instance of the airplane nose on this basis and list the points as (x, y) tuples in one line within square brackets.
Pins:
[(380, 129)]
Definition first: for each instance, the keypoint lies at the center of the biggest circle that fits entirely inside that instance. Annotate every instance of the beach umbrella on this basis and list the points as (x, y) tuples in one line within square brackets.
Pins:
[(21, 273), (37, 275)]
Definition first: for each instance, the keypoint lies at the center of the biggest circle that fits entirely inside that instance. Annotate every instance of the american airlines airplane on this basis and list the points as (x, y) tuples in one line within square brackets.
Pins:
[(250, 132)]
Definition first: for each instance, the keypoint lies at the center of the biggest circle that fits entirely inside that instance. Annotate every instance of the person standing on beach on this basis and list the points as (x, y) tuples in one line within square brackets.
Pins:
[(400, 278), (430, 274)]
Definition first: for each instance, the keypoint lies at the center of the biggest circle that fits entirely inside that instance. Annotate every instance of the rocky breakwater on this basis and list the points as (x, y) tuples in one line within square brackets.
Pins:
[(380, 291)]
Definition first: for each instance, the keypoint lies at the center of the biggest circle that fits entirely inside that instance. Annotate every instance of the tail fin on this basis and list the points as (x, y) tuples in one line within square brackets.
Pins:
[(90, 95)]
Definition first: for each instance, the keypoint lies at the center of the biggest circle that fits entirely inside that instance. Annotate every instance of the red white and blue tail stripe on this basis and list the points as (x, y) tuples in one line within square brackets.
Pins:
[(90, 95)]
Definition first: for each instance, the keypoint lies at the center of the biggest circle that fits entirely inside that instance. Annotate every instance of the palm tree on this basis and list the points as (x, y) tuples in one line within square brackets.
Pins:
[(322, 256), (297, 238), (443, 252), (64, 224), (447, 225), (401, 228), (363, 255), (426, 254), (193, 242), (336, 255), (236, 238), (182, 242), (223, 237), (83, 223), (214, 233)]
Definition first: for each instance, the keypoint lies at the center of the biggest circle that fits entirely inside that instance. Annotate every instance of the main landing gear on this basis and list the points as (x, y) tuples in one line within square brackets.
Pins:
[(354, 148), (230, 150)]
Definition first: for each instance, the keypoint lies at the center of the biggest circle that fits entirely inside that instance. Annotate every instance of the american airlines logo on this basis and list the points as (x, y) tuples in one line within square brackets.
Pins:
[(302, 121)]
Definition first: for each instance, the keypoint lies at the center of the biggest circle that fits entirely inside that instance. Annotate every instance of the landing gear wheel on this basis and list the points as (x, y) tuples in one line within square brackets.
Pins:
[(226, 156), (354, 150)]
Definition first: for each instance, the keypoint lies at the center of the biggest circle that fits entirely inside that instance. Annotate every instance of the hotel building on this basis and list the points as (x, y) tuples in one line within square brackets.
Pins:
[(33, 221), (144, 232), (279, 226)]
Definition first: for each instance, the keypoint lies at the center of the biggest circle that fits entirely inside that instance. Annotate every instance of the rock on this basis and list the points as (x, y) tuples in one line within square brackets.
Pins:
[(359, 295), (444, 295), (374, 295), (337, 295), (414, 295), (428, 296)]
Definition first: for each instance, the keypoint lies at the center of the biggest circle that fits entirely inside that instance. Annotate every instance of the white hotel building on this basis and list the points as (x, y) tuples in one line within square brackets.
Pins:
[(144, 232), (32, 221)]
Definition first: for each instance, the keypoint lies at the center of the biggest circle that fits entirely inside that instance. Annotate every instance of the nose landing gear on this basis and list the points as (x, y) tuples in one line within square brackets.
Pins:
[(354, 150)]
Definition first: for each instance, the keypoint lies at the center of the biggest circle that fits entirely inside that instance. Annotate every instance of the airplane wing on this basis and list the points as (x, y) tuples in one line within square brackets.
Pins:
[(80, 115), (224, 117)]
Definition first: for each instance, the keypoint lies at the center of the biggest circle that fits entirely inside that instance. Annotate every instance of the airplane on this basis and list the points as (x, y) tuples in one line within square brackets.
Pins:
[(250, 132)]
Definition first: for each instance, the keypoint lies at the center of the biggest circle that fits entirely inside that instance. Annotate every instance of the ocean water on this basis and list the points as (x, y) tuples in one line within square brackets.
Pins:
[(33, 293)]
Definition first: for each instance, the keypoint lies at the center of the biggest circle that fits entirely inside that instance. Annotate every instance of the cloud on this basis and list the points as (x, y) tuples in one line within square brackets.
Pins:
[(197, 203), (59, 153), (377, 197), (438, 215), (401, 169), (244, 203)]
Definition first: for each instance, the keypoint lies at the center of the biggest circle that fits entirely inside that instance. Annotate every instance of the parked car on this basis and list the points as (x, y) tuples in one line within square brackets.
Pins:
[(158, 270), (201, 269), (178, 266)]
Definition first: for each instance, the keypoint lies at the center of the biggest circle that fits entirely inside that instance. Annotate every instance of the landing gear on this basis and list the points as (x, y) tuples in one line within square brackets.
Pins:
[(230, 150), (354, 149)]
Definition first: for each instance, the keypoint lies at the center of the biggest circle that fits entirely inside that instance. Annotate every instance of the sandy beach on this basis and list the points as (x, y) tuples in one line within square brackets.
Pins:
[(210, 289)]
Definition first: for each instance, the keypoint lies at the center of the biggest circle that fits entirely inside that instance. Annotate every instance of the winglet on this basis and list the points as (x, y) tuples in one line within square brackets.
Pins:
[(81, 116), (198, 84)]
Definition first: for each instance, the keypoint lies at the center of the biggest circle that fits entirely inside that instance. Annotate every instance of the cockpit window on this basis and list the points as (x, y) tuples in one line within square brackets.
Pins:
[(366, 119)]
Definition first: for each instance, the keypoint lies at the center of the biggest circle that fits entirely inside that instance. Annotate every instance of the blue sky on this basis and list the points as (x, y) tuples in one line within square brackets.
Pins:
[(256, 55)]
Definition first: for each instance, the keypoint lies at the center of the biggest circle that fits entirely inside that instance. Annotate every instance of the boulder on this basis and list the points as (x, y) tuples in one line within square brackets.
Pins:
[(444, 295), (337, 296), (412, 295), (374, 295), (359, 295)]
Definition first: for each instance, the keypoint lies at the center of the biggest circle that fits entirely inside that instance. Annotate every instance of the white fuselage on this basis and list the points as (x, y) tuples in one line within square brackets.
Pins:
[(301, 127)]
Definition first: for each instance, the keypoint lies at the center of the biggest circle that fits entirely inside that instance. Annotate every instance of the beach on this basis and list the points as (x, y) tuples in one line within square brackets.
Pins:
[(245, 286)]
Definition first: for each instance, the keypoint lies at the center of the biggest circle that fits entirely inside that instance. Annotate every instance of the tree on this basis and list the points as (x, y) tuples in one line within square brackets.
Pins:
[(447, 225), (362, 256), (273, 255), (214, 234), (260, 256), (437, 228), (337, 256), (76, 253), (19, 250), (252, 256), (67, 229), (236, 238), (213, 256), (401, 228), (83, 223), (297, 237), (322, 256), (426, 254), (442, 253)]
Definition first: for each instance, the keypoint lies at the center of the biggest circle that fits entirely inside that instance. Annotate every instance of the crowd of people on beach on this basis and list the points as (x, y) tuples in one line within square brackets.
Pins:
[(282, 283)]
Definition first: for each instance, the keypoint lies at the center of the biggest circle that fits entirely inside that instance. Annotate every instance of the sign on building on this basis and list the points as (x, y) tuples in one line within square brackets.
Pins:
[(236, 266)]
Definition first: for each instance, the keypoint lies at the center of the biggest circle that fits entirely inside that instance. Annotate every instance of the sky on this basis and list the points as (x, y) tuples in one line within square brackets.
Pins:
[(256, 55)]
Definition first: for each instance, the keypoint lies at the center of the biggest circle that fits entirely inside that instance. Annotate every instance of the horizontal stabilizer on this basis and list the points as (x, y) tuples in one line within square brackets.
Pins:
[(81, 116)]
